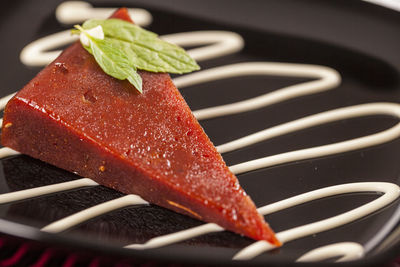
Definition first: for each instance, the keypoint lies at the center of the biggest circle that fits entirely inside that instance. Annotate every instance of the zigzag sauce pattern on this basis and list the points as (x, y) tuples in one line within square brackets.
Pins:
[(218, 44)]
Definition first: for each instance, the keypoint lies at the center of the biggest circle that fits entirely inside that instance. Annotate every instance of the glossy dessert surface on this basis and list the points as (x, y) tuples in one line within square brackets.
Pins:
[(76, 117)]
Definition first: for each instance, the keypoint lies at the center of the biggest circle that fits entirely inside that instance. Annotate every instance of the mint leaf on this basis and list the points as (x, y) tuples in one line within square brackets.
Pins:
[(160, 56), (127, 47), (119, 29), (111, 60), (143, 48)]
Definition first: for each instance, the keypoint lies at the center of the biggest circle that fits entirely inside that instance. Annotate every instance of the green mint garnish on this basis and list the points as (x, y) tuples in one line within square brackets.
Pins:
[(112, 60), (127, 47)]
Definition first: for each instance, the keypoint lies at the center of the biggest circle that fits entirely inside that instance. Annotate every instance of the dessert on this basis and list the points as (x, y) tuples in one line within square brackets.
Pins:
[(78, 118)]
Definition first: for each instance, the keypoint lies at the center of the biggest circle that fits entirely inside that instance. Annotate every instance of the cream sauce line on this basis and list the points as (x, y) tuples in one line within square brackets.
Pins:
[(391, 192), (3, 103), (348, 251), (218, 43), (156, 242), (327, 79), (36, 54), (87, 214), (39, 52), (392, 4), (234, 45), (318, 119), (385, 136), (4, 100), (7, 152), (71, 12), (179, 236), (362, 110), (45, 190)]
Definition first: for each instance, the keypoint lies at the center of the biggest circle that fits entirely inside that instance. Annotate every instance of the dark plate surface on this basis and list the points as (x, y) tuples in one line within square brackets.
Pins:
[(357, 39)]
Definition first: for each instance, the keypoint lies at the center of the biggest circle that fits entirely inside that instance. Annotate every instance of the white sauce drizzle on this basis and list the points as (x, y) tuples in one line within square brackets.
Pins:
[(7, 152), (348, 251), (38, 53), (35, 54), (87, 214), (320, 151), (392, 4), (327, 79), (219, 44), (45, 190), (71, 12), (391, 193), (179, 236), (4, 100)]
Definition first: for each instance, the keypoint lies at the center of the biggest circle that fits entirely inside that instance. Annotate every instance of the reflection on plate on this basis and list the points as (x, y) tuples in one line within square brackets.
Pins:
[(314, 142)]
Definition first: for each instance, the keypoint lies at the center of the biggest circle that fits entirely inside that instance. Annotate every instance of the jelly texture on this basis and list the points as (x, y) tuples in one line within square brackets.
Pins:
[(76, 117)]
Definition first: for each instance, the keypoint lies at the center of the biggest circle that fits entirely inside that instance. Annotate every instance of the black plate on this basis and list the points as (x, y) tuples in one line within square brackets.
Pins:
[(358, 39)]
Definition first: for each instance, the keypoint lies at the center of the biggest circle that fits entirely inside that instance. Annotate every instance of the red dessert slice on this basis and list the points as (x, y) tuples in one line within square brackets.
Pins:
[(76, 117)]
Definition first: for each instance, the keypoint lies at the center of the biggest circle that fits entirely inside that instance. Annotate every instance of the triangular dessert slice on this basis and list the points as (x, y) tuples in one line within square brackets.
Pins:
[(76, 117)]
